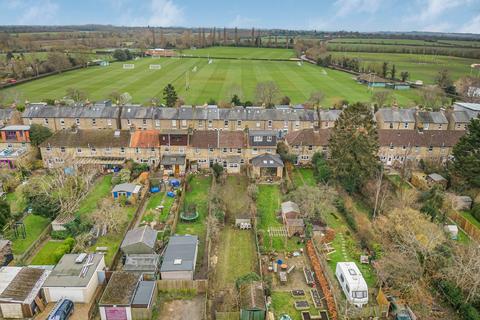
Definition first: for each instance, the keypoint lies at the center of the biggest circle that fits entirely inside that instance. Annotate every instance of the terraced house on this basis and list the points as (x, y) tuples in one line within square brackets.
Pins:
[(178, 138)]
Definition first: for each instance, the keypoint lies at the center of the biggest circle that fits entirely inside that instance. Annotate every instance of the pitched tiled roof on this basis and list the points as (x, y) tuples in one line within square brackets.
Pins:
[(461, 116), (89, 138), (232, 139), (267, 161), (329, 115), (204, 139), (308, 137), (145, 139), (434, 138)]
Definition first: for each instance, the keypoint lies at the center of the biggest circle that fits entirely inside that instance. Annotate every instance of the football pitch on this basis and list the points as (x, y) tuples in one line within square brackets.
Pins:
[(198, 80)]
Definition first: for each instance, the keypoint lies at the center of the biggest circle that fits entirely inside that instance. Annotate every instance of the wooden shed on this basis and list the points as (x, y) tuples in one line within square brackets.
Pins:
[(252, 301)]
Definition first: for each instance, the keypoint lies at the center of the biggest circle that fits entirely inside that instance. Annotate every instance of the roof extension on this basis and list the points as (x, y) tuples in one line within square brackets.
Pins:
[(180, 254), (67, 273)]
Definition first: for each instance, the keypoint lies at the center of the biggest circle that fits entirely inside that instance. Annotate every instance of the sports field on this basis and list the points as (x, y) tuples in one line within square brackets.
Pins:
[(216, 80), (241, 53), (420, 67)]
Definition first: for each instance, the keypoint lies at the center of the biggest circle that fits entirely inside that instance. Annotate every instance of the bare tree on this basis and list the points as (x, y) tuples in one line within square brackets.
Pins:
[(110, 215), (266, 93), (76, 94), (432, 97), (465, 269), (316, 98), (380, 98), (314, 202)]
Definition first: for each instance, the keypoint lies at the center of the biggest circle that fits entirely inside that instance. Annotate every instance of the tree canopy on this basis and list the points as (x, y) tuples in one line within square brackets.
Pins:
[(39, 134), (354, 147), (466, 155), (170, 95)]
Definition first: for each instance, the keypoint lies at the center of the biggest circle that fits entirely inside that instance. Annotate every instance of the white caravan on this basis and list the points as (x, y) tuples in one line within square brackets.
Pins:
[(352, 283)]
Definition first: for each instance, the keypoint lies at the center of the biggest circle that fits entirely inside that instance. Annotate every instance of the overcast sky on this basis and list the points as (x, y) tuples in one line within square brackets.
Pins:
[(351, 15)]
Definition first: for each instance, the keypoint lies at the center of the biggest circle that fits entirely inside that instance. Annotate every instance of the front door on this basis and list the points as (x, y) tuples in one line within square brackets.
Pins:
[(177, 169)]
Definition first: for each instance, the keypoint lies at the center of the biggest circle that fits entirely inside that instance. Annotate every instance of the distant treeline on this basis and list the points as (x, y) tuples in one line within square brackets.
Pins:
[(473, 53)]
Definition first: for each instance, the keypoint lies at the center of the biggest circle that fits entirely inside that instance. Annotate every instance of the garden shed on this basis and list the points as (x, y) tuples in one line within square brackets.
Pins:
[(180, 258), (127, 190), (140, 240), (291, 219), (146, 265), (436, 179), (252, 301), (20, 295)]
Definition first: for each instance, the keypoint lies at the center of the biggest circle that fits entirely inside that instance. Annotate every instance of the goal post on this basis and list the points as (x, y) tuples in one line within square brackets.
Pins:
[(128, 66), (155, 67)]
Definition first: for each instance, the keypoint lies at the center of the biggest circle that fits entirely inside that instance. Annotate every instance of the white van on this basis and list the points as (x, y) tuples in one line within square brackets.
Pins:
[(352, 283)]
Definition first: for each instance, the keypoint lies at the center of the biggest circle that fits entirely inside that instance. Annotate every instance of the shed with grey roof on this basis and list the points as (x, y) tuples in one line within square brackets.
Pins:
[(126, 189), (180, 258), (144, 264), (144, 300), (140, 240)]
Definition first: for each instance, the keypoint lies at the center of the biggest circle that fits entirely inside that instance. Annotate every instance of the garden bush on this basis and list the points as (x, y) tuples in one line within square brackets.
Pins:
[(476, 211)]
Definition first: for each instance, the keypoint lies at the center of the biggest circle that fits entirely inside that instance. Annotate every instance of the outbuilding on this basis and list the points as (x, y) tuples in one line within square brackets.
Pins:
[(436, 179), (252, 301), (127, 190), (145, 265), (140, 240), (75, 277), (180, 258), (20, 291), (116, 300), (144, 300), (291, 219)]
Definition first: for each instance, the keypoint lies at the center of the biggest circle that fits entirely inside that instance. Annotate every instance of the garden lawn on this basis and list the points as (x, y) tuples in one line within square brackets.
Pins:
[(303, 176), (100, 190), (154, 201), (45, 255), (34, 226), (236, 256), (268, 206), (198, 195), (206, 81)]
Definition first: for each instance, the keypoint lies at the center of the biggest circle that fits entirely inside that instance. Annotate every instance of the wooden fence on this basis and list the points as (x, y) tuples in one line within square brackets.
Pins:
[(468, 227), (200, 286)]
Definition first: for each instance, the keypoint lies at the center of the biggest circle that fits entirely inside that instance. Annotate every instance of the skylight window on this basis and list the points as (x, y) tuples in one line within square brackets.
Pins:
[(177, 261)]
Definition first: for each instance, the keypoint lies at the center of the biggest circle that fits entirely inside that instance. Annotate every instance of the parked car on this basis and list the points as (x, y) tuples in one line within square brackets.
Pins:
[(62, 310)]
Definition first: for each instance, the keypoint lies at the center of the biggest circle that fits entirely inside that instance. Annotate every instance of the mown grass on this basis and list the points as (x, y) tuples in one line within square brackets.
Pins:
[(268, 205), (242, 53), (45, 255), (206, 81), (197, 195), (154, 201), (34, 226), (100, 190)]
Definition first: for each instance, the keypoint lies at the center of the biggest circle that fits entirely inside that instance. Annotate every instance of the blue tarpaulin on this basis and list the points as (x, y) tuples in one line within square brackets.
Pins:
[(154, 189), (171, 194), (175, 183)]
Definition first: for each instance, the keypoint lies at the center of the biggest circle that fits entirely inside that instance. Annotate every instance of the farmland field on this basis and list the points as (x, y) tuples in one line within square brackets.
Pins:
[(207, 81), (420, 67)]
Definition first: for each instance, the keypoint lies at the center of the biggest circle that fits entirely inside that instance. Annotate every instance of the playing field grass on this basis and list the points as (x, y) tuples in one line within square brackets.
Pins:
[(216, 80), (241, 53), (420, 67)]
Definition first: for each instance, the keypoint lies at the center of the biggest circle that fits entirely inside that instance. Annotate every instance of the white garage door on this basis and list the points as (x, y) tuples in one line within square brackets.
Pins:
[(12, 310)]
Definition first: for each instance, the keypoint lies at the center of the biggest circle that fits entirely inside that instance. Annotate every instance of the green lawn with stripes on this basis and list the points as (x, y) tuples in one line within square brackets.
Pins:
[(216, 80), (241, 52)]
